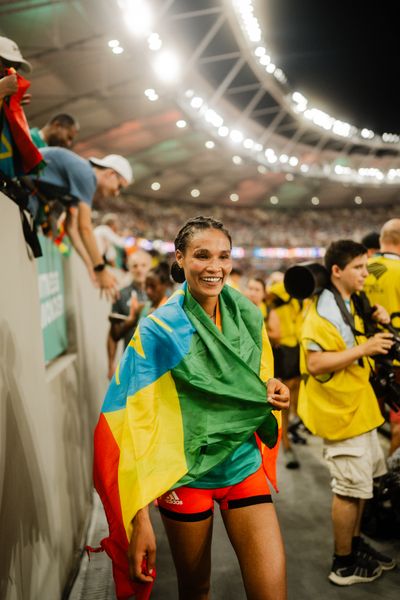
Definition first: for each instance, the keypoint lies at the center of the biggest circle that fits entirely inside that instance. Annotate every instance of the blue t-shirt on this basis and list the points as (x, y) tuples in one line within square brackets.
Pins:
[(66, 169)]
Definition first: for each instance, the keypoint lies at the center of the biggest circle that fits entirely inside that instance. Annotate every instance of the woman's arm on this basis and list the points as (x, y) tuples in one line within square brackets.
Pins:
[(142, 547)]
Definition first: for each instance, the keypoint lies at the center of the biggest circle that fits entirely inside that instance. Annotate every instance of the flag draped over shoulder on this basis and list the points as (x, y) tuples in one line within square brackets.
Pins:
[(183, 398), (26, 156)]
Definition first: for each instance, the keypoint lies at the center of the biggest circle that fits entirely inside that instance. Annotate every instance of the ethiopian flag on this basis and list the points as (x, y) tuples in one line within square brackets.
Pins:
[(183, 398)]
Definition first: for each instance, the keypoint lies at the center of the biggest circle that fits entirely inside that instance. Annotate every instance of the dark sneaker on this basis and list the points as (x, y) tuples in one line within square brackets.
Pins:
[(291, 460), (363, 570), (364, 549)]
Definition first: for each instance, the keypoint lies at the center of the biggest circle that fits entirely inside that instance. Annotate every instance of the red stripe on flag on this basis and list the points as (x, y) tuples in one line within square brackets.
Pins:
[(105, 475)]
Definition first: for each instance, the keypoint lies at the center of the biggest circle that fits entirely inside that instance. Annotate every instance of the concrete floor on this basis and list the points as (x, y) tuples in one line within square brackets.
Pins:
[(303, 507)]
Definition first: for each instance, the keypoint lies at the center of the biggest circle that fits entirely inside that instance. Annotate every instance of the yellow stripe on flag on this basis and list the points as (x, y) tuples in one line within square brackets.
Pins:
[(152, 461), (160, 323), (136, 343), (176, 293)]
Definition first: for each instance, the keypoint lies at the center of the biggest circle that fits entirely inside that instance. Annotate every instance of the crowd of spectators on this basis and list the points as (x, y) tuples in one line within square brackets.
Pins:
[(153, 220)]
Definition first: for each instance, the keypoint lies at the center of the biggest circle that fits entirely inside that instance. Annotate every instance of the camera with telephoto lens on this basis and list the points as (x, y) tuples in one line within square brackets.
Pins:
[(307, 279), (383, 380)]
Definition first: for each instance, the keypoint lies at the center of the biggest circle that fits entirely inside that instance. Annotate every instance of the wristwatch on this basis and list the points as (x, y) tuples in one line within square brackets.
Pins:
[(100, 267)]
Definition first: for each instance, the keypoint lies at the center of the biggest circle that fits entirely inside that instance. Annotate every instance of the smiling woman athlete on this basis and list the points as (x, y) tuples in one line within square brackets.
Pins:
[(222, 384)]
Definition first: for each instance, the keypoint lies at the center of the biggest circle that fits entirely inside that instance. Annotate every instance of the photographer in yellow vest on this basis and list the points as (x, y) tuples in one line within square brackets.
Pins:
[(337, 403), (382, 286)]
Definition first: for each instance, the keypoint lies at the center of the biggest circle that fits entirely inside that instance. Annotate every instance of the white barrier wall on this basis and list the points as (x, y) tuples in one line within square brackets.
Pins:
[(47, 416)]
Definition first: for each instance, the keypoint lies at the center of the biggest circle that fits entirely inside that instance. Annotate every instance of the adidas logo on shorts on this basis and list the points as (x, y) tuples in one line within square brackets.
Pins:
[(172, 498)]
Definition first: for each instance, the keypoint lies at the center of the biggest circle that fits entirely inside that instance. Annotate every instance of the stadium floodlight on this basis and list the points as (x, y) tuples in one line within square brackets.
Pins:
[(117, 50), (195, 193), (223, 131), (137, 16), (293, 161), (181, 124), (248, 143), (315, 200), (237, 160), (213, 117), (236, 136), (151, 94), (234, 197), (250, 24), (265, 60), (280, 75), (167, 66), (270, 68), (283, 158), (262, 169), (367, 134), (274, 200), (260, 51), (113, 43), (209, 144), (304, 168), (196, 102), (270, 156), (341, 128), (358, 200), (155, 186), (154, 42)]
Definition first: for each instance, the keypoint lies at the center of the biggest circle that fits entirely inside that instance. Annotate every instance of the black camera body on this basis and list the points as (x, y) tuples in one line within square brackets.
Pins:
[(307, 279)]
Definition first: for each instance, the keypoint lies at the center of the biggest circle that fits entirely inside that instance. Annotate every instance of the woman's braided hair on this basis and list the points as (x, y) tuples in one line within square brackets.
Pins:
[(186, 233)]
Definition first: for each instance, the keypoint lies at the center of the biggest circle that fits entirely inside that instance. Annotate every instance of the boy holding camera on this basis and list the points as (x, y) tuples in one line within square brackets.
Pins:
[(338, 403)]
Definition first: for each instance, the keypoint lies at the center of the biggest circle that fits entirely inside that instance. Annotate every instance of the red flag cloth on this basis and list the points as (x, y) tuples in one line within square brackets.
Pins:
[(14, 113), (117, 544)]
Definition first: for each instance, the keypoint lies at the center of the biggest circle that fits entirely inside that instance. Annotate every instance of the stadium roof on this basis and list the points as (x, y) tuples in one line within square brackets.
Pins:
[(196, 103)]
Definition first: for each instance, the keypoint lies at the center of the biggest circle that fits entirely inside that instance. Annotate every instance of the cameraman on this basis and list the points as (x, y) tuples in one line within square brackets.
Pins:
[(383, 286), (337, 403)]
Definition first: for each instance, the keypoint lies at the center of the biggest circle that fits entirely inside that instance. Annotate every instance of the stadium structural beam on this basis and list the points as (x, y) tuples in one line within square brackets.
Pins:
[(205, 42), (218, 58), (225, 83)]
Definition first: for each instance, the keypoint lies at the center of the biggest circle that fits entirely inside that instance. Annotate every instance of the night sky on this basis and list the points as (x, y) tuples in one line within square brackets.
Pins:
[(344, 56)]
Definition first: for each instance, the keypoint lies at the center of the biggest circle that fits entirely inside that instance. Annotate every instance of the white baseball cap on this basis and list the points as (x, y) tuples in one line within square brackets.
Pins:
[(118, 163), (10, 51)]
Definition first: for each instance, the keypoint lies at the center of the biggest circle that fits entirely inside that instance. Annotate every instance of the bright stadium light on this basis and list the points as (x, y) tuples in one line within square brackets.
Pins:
[(315, 200), (181, 124), (234, 197), (223, 131), (113, 43), (167, 66), (248, 143), (117, 50), (195, 193), (236, 136), (358, 200), (209, 144), (155, 186), (197, 102), (237, 160), (154, 42), (137, 16), (274, 200)]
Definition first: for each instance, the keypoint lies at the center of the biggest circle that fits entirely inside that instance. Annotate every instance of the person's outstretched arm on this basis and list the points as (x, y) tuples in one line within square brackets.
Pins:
[(142, 547)]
